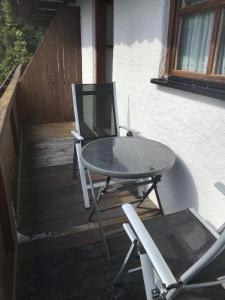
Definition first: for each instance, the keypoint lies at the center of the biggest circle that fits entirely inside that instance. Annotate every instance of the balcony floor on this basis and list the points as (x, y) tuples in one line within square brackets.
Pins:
[(50, 201), (70, 263), (83, 273)]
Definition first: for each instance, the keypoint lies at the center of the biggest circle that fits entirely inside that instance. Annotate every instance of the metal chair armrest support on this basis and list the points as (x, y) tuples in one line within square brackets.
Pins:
[(77, 136), (204, 284), (151, 249), (129, 130)]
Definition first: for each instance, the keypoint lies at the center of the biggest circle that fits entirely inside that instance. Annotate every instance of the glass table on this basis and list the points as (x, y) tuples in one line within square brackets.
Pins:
[(132, 158)]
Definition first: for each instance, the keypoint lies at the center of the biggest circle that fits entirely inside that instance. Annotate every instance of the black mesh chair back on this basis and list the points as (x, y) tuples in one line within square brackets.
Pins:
[(96, 110)]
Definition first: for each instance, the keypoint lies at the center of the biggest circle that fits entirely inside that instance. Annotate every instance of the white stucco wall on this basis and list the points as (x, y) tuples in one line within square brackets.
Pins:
[(192, 125), (87, 40)]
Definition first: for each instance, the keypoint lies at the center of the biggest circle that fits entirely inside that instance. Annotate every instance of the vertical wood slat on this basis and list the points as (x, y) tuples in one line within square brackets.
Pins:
[(45, 87)]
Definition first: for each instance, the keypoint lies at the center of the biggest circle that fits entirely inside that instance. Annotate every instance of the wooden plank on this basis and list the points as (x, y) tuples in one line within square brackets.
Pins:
[(63, 216), (7, 158), (48, 152), (45, 87), (6, 82), (7, 99), (74, 237), (49, 130)]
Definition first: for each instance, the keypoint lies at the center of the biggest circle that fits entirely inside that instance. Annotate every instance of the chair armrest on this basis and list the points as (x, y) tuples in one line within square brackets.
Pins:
[(221, 187), (150, 247), (77, 136), (129, 130)]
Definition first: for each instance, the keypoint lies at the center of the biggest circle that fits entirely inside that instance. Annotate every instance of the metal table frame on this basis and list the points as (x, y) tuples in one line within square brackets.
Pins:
[(102, 190)]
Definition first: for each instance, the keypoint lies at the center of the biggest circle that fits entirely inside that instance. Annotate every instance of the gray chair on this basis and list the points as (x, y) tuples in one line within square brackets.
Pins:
[(96, 117), (181, 256)]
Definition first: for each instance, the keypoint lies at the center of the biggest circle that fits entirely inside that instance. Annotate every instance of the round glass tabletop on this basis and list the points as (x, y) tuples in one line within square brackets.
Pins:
[(127, 157)]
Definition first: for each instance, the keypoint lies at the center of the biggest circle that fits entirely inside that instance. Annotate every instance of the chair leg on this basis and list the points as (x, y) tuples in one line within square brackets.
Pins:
[(99, 219), (82, 177), (101, 193), (141, 189), (124, 268), (74, 161), (148, 275), (157, 196)]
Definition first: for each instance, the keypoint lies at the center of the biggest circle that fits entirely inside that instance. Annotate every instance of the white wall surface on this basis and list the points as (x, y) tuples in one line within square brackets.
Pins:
[(192, 125), (88, 40)]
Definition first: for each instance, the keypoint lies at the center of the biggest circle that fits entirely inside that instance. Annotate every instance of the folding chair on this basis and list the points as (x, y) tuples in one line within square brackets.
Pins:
[(95, 117), (181, 256)]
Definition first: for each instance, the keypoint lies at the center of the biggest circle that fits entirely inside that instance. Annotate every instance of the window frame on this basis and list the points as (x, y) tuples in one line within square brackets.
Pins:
[(176, 12)]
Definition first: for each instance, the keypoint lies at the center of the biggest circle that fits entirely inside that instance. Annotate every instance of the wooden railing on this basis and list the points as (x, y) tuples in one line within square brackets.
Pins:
[(9, 157), (6, 82)]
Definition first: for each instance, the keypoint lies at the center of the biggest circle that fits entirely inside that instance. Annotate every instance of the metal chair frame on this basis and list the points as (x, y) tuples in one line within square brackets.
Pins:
[(78, 139), (159, 281)]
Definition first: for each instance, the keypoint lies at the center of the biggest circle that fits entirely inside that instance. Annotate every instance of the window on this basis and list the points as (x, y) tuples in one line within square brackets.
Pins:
[(196, 40)]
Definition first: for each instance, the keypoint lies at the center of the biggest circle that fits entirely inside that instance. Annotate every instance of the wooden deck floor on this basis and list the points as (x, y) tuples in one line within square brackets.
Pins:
[(71, 263), (50, 201), (83, 273)]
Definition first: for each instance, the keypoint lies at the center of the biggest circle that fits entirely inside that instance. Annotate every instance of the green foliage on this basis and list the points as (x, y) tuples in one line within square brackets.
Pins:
[(17, 41)]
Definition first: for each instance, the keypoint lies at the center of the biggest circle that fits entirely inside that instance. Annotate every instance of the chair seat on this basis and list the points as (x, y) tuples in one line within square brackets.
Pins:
[(181, 239)]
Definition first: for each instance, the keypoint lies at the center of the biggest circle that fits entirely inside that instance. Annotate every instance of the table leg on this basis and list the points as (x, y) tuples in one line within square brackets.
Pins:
[(98, 217), (157, 196), (155, 181), (101, 193)]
